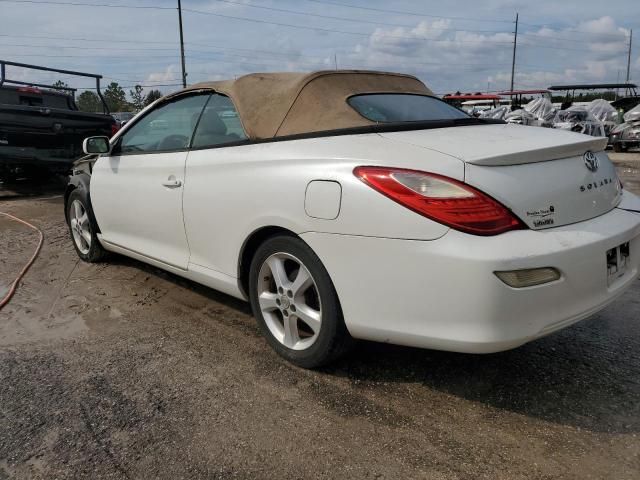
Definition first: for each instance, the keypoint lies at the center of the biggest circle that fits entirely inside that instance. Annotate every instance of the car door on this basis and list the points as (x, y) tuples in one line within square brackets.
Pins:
[(216, 178), (136, 192)]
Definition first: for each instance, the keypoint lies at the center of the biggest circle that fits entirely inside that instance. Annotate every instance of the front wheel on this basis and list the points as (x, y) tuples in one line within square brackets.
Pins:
[(83, 228), (296, 304)]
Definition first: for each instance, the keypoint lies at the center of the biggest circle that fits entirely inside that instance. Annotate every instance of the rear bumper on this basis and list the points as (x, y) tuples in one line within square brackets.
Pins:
[(442, 294)]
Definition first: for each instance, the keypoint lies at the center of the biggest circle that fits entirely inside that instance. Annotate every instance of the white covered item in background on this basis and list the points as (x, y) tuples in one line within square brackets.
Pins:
[(521, 117), (579, 119), (497, 113), (633, 115), (543, 110), (605, 113)]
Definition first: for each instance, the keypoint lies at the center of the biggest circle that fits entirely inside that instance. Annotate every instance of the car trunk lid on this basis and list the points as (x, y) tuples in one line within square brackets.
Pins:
[(547, 177)]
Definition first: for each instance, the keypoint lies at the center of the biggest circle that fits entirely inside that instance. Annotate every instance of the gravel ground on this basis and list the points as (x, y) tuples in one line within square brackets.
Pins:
[(119, 370)]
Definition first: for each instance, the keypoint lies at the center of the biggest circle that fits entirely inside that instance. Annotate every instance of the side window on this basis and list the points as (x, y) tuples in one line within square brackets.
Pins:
[(219, 124), (168, 127)]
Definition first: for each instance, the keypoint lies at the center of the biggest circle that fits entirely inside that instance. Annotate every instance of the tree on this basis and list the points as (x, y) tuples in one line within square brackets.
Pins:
[(60, 86), (89, 102), (116, 98), (152, 96), (137, 98)]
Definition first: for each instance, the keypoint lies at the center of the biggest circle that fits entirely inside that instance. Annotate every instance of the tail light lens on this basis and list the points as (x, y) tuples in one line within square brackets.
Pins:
[(33, 90), (442, 199), (114, 128)]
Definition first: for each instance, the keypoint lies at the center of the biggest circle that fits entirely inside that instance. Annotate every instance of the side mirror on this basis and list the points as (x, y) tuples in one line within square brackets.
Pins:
[(96, 145)]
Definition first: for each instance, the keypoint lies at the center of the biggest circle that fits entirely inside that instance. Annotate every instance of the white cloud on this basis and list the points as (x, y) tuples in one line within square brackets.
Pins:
[(168, 75), (450, 59)]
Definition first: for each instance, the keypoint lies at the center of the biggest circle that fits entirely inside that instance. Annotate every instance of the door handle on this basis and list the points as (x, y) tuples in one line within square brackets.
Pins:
[(172, 182)]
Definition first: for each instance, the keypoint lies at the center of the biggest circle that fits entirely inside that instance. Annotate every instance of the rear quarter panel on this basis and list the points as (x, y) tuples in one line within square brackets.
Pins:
[(232, 192)]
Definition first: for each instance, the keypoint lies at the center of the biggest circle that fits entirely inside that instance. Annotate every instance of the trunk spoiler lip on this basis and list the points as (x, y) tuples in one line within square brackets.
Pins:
[(529, 150), (533, 155)]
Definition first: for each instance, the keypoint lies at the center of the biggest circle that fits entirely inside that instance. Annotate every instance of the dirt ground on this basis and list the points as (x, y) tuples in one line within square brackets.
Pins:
[(119, 370)]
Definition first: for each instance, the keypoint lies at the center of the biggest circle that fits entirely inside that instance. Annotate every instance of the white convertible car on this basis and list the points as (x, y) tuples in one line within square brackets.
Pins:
[(353, 204)]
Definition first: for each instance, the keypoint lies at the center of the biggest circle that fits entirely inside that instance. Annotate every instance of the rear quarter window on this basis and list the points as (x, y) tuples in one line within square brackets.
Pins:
[(403, 107)]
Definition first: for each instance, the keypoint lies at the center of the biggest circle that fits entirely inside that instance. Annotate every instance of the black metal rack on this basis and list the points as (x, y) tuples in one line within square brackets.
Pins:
[(4, 79)]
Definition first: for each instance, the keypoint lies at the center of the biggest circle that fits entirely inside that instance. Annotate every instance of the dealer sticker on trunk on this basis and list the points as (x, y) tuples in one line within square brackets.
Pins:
[(543, 217)]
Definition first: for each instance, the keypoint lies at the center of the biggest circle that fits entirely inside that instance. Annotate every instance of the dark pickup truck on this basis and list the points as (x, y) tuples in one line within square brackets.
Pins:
[(41, 130)]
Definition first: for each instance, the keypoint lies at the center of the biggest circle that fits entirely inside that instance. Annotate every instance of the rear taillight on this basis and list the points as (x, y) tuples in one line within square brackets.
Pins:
[(442, 199), (114, 128), (33, 90)]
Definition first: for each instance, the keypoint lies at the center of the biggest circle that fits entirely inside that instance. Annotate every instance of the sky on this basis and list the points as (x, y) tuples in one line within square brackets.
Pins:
[(450, 45)]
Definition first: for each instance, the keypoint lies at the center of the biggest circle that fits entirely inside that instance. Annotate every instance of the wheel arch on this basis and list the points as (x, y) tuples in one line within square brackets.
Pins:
[(249, 247), (80, 182)]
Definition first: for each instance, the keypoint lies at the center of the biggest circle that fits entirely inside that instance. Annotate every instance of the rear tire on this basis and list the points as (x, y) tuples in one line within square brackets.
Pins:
[(295, 303), (83, 228)]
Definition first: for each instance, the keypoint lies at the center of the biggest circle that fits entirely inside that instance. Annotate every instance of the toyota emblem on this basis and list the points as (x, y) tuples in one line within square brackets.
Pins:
[(590, 161)]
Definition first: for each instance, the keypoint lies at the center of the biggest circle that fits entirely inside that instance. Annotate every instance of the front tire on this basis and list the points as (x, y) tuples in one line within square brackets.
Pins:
[(295, 303), (83, 228)]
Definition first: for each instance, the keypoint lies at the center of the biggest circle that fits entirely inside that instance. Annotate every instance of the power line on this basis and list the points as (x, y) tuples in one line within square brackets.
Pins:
[(296, 26), (298, 57), (78, 39), (407, 63), (46, 37), (88, 56), (349, 62), (135, 41), (532, 45), (140, 82), (326, 2), (93, 87), (146, 49), (568, 29), (330, 30), (355, 20), (622, 36), (83, 4), (401, 12)]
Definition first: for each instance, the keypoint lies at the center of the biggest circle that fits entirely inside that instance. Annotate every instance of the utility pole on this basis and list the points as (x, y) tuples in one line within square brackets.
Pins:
[(184, 72), (513, 61), (335, 60), (629, 56)]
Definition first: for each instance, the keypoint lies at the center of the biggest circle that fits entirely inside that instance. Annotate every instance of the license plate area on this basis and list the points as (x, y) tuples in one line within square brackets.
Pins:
[(617, 262)]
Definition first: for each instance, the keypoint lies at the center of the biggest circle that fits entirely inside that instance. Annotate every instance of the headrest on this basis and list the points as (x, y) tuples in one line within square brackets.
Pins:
[(210, 123)]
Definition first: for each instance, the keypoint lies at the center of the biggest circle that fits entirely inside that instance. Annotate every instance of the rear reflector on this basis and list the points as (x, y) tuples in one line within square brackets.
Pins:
[(443, 199), (529, 277), (30, 90)]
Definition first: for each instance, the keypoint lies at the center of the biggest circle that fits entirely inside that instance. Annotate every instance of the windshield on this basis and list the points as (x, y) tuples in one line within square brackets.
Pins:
[(403, 107)]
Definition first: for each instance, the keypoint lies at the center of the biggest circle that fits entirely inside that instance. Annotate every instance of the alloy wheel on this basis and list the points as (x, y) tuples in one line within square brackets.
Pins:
[(289, 301), (80, 228)]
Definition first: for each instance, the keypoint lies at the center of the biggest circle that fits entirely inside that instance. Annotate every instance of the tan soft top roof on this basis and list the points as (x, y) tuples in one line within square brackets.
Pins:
[(278, 104)]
